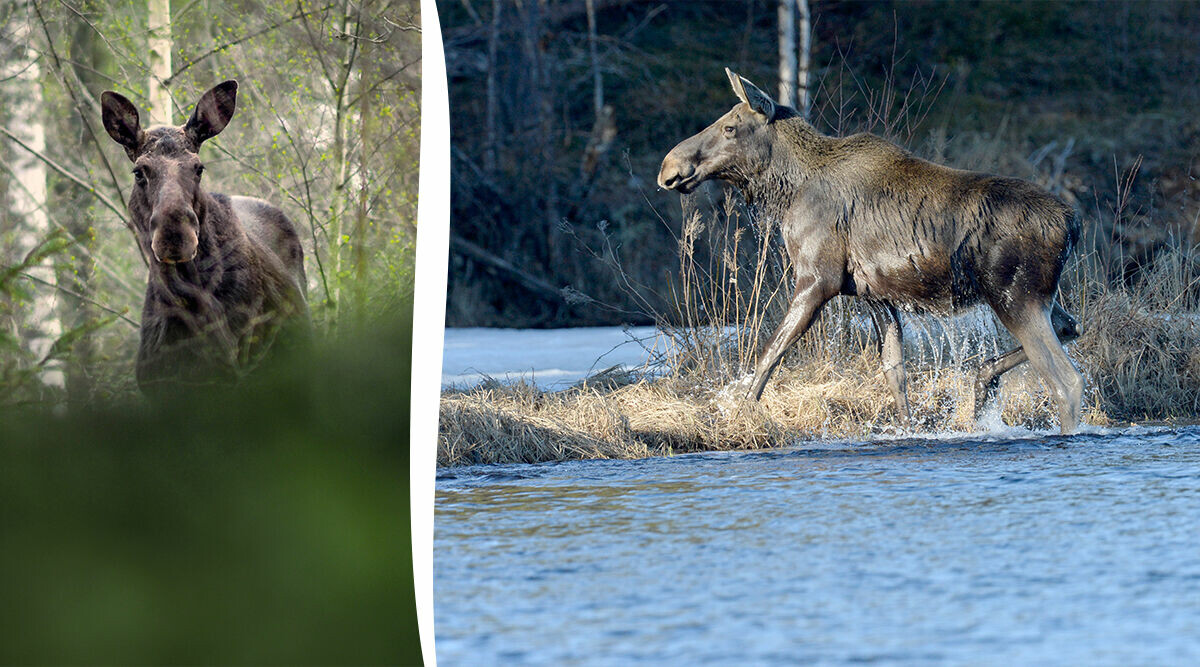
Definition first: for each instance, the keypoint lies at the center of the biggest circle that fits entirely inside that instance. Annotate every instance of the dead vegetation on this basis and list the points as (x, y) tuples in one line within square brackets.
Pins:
[(668, 415), (1140, 353)]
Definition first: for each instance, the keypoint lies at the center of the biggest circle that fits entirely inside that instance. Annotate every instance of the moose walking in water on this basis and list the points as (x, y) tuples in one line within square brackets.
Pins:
[(226, 275), (862, 216)]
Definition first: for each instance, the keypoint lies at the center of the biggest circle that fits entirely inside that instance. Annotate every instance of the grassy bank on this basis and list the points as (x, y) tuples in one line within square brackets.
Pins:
[(1140, 353)]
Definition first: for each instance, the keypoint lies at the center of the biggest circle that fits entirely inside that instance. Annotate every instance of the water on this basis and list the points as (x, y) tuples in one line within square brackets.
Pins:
[(547, 358), (1015, 548)]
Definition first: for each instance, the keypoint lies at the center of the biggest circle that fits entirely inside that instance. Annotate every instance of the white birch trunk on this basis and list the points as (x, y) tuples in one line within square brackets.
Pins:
[(787, 52), (22, 76), (804, 105), (159, 25), (597, 80)]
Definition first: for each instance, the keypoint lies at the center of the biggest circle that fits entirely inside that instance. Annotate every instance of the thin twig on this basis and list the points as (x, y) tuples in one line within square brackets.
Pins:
[(77, 295), (108, 203), (245, 38)]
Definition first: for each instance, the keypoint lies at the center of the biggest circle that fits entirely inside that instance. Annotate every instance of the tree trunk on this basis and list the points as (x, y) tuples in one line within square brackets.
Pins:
[(159, 26), (597, 79), (489, 148), (341, 84), (804, 93), (21, 76), (70, 205), (787, 52)]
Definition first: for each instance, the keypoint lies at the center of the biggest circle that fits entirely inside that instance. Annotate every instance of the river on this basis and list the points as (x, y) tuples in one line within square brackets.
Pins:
[(1010, 547)]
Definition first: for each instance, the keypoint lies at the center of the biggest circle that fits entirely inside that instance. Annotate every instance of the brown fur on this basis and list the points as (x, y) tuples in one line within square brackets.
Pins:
[(862, 216), (226, 273)]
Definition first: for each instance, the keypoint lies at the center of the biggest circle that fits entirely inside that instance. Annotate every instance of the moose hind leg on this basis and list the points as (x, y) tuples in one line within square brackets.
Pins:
[(988, 378), (1037, 335), (799, 316), (891, 358)]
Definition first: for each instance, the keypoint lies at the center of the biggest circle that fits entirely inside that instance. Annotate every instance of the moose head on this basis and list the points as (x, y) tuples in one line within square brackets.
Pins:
[(166, 204), (734, 148)]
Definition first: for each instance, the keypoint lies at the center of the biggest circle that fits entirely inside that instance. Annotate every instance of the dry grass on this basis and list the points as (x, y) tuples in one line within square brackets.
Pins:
[(664, 416), (1139, 352)]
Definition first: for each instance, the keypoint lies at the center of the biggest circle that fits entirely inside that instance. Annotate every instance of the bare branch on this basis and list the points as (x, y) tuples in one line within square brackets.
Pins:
[(77, 295), (245, 38), (108, 203)]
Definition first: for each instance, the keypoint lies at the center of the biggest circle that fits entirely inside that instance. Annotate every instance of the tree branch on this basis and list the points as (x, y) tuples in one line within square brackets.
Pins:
[(77, 295), (245, 38), (71, 177), (524, 278)]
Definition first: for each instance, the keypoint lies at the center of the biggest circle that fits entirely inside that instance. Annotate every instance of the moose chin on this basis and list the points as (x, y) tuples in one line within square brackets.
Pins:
[(862, 216), (226, 273)]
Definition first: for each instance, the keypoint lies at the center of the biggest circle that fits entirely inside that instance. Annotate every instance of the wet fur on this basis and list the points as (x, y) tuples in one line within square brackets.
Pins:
[(910, 232), (862, 216)]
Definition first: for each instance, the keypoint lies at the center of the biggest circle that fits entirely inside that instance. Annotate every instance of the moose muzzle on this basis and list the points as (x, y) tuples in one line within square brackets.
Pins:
[(678, 172), (175, 238)]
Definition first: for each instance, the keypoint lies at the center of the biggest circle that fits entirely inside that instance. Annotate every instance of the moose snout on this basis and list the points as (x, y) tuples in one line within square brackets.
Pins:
[(175, 239), (675, 173)]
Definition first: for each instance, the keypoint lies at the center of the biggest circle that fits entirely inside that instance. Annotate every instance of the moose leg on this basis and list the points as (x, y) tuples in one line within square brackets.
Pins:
[(891, 357), (988, 378), (804, 305), (1035, 329)]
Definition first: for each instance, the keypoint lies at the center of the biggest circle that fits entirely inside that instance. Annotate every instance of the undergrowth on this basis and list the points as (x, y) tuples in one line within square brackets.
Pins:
[(1139, 350)]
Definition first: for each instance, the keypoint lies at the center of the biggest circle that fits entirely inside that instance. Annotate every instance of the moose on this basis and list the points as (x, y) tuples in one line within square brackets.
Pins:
[(861, 216), (226, 273)]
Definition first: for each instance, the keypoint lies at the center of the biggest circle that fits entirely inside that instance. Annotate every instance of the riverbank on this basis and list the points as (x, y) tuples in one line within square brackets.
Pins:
[(660, 417), (1140, 366)]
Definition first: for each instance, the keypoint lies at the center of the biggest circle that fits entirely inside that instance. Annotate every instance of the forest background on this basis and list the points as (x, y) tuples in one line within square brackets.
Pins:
[(327, 127), (264, 523), (558, 124), (561, 113)]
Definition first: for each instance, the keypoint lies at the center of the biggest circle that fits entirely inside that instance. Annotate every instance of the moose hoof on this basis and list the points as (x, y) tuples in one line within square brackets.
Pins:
[(985, 392)]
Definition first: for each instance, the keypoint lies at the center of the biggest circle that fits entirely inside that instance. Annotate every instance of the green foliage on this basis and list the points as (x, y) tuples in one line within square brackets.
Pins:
[(266, 525), (327, 128)]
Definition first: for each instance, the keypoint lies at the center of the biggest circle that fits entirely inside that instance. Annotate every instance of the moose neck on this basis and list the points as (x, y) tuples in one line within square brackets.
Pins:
[(797, 152)]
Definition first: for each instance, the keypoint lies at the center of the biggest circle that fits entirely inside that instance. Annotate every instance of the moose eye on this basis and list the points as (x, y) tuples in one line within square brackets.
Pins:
[(199, 170), (729, 130), (139, 174)]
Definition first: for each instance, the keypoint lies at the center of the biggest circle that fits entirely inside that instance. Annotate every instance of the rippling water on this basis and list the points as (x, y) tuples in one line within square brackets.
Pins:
[(992, 549)]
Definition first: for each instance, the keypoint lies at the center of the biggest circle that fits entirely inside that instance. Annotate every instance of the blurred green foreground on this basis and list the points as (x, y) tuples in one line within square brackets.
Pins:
[(264, 524)]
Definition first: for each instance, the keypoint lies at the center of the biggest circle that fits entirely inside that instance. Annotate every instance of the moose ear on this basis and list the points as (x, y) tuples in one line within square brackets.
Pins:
[(212, 113), (121, 121), (757, 100)]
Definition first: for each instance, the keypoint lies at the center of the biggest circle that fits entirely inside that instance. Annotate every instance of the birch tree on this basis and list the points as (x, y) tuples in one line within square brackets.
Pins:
[(787, 52), (805, 56), (795, 54), (22, 76), (159, 42)]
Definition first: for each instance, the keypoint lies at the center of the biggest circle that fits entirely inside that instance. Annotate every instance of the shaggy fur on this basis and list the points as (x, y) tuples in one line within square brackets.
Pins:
[(226, 275), (862, 216)]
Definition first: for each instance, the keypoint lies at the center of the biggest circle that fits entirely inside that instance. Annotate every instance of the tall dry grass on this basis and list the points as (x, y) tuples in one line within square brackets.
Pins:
[(1139, 350), (1140, 353)]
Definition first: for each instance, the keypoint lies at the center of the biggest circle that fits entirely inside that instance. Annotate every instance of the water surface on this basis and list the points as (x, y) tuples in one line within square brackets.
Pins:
[(988, 549)]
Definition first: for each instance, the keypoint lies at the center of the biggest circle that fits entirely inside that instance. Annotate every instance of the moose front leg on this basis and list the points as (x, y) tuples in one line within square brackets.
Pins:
[(891, 357), (803, 307)]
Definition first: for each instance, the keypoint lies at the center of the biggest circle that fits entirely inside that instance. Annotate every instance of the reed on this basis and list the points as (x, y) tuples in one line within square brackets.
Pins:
[(1140, 353)]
